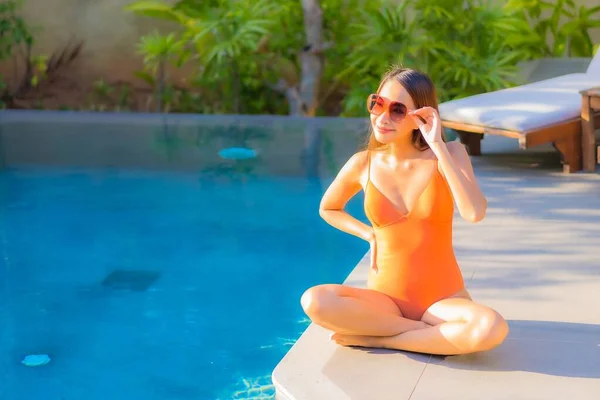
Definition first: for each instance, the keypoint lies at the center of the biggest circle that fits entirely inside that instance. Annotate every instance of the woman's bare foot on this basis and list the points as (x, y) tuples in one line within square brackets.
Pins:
[(367, 341), (357, 340)]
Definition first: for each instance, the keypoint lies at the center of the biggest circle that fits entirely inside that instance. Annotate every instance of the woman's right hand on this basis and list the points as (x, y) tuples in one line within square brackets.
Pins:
[(373, 244)]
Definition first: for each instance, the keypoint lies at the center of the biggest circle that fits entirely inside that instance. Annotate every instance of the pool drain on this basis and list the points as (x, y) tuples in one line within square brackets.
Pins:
[(238, 153), (36, 360)]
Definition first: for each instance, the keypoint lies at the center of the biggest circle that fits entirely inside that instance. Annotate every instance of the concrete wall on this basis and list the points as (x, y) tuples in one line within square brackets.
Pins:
[(110, 34)]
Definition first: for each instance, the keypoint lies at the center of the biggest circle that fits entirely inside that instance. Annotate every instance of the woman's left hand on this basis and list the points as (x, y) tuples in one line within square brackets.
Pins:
[(432, 127)]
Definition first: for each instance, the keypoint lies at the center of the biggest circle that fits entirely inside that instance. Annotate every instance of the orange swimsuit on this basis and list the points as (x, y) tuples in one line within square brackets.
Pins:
[(415, 257)]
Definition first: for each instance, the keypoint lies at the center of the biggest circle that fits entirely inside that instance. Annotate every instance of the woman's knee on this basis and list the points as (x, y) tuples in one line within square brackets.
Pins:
[(317, 300), (488, 329)]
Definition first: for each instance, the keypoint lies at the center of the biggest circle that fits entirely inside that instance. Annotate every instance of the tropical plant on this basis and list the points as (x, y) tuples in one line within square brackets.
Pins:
[(13, 29), (468, 35), (158, 51), (251, 56), (16, 39), (17, 42), (553, 29), (218, 35), (381, 36)]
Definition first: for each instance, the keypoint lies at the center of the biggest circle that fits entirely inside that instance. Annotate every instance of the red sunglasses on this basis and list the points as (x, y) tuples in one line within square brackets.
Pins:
[(377, 104)]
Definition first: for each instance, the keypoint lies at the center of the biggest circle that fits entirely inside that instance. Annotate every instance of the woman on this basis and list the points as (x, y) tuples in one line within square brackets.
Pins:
[(415, 298)]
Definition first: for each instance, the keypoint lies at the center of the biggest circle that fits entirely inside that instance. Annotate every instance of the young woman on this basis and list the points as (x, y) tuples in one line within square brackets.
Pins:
[(415, 298)]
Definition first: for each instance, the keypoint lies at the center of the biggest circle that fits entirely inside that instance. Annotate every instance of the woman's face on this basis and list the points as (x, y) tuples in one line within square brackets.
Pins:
[(390, 126)]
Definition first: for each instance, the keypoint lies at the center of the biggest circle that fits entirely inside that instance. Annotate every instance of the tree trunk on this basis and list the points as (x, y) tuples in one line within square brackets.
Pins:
[(311, 58), (160, 88), (294, 100), (236, 86), (307, 96)]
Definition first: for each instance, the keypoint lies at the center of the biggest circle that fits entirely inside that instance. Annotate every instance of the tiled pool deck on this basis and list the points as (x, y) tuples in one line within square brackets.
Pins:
[(535, 258)]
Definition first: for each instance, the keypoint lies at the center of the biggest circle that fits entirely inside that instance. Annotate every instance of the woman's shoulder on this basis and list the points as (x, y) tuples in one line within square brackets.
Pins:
[(360, 157), (356, 164), (359, 160)]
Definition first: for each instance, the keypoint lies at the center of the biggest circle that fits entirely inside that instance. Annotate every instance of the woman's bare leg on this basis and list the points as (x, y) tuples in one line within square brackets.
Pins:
[(457, 326), (355, 311)]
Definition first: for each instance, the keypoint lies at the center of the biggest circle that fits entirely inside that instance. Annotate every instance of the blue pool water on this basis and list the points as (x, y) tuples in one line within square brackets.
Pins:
[(148, 285)]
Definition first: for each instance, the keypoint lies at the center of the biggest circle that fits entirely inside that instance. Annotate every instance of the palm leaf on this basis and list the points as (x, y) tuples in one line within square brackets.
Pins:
[(156, 9)]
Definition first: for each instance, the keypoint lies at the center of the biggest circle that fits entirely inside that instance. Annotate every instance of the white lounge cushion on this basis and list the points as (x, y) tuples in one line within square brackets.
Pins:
[(525, 107), (594, 67)]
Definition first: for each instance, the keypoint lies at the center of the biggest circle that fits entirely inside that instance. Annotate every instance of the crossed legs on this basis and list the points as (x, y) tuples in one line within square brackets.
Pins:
[(353, 311), (366, 318)]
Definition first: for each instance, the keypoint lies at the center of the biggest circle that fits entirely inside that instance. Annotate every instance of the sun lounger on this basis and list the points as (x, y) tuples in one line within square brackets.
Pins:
[(547, 111)]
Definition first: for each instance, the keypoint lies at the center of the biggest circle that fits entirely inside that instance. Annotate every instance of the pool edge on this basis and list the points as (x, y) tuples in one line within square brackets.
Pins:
[(313, 335)]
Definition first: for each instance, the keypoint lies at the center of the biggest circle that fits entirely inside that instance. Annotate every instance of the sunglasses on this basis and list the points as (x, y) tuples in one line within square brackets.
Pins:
[(377, 105)]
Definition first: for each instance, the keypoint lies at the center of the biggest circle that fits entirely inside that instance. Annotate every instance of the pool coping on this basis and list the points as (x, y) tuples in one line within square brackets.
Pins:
[(305, 371), (317, 368)]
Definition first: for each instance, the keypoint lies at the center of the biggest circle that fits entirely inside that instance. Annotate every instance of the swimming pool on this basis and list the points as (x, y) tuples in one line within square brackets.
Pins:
[(147, 284)]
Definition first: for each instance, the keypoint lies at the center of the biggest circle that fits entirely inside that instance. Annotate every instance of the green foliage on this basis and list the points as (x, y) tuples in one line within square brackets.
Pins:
[(223, 34), (158, 49), (276, 58), (156, 9), (16, 40), (13, 29), (460, 44), (381, 36), (219, 35), (561, 21), (470, 37), (242, 49)]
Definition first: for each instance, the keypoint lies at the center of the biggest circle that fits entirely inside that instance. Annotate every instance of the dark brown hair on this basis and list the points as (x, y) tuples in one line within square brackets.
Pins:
[(422, 91)]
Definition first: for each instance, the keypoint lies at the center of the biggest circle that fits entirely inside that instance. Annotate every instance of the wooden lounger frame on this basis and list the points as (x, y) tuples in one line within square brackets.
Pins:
[(564, 136)]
